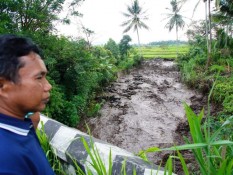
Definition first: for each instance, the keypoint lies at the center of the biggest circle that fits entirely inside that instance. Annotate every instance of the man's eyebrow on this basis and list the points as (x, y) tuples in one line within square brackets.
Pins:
[(42, 73)]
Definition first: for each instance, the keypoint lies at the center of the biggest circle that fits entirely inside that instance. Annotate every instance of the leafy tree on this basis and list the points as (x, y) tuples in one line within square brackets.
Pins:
[(224, 19), (112, 46), (196, 27), (124, 45), (135, 17), (208, 24), (28, 15)]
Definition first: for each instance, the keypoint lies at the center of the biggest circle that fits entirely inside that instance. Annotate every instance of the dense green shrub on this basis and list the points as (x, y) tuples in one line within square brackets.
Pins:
[(227, 104), (196, 74), (61, 109), (223, 93), (113, 47)]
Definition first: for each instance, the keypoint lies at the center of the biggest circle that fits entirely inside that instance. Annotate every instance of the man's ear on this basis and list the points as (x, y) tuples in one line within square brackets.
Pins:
[(4, 85), (1, 82)]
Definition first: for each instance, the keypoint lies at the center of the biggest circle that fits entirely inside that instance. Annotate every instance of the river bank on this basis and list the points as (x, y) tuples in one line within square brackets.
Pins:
[(144, 108)]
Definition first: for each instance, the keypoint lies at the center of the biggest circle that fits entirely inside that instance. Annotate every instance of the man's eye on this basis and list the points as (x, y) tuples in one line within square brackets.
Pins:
[(39, 77)]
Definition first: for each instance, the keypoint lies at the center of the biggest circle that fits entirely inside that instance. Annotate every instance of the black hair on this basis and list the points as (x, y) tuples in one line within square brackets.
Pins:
[(11, 48)]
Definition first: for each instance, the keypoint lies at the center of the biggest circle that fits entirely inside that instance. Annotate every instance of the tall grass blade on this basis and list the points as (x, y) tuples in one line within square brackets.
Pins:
[(168, 166), (78, 170), (221, 142), (195, 124), (110, 163), (222, 169), (143, 153), (184, 166), (123, 168), (94, 164), (229, 168)]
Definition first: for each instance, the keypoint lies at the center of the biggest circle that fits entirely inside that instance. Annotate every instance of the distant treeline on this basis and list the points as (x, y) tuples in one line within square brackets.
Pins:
[(169, 42)]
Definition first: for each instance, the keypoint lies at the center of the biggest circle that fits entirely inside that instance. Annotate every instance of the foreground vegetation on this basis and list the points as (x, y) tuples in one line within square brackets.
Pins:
[(79, 71), (212, 154), (95, 166)]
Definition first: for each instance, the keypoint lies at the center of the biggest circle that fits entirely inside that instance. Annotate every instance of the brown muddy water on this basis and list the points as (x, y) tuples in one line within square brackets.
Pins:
[(144, 108)]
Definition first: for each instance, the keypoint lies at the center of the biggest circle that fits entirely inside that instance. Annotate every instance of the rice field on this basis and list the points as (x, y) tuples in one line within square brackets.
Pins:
[(150, 52)]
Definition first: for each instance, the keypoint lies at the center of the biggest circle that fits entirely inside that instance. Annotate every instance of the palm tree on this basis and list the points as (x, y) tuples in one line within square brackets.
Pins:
[(135, 16), (208, 26), (175, 19)]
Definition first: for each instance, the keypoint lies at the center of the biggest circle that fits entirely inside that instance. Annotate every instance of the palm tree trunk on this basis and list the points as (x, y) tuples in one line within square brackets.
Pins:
[(206, 27), (139, 45), (210, 36), (227, 33), (176, 40)]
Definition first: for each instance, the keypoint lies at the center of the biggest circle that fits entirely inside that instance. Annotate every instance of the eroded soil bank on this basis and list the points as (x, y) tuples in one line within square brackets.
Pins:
[(144, 109)]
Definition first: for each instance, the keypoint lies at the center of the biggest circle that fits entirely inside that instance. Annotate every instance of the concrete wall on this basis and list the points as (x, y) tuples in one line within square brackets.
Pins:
[(66, 141)]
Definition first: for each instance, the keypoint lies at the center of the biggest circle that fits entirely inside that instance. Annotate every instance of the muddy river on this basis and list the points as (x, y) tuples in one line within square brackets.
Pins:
[(144, 108)]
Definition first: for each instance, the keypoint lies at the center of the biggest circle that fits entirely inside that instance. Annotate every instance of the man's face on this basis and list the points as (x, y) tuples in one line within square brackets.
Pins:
[(31, 92)]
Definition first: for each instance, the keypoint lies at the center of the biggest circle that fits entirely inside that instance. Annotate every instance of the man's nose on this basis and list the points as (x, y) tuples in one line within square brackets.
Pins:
[(47, 86)]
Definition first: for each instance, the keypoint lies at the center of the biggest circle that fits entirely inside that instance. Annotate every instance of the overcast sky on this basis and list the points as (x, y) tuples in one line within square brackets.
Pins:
[(104, 17)]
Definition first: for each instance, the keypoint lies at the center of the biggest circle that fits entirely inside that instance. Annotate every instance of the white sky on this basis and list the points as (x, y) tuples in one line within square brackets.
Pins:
[(104, 17)]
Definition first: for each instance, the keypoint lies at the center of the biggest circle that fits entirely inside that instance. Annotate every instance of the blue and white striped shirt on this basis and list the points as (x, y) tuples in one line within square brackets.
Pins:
[(20, 150)]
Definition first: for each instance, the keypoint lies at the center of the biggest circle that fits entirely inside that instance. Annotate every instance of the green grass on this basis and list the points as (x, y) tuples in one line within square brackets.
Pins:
[(93, 167), (150, 52)]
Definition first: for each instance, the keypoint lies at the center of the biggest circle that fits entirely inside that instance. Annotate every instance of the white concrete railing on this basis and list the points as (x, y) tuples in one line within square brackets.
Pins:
[(66, 142)]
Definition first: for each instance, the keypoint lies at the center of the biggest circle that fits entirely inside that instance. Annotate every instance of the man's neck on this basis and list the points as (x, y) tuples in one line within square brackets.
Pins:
[(11, 113)]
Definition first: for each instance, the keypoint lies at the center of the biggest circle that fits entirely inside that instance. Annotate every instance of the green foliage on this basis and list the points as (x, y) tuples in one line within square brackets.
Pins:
[(77, 70), (223, 93), (31, 16), (94, 109), (96, 162), (113, 47), (195, 75), (175, 19), (135, 18), (60, 109), (124, 45), (54, 161), (174, 16), (95, 166), (130, 62), (208, 149), (28, 15), (189, 75), (213, 158), (227, 104), (77, 74)]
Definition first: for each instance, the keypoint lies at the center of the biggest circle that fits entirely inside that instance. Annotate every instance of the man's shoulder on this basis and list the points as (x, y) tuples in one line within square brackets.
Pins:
[(9, 142), (7, 145)]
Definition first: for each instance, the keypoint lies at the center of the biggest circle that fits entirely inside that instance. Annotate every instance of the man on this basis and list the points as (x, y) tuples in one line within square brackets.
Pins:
[(23, 89)]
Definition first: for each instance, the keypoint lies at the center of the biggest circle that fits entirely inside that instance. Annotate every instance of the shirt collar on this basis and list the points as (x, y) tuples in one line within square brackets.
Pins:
[(17, 126)]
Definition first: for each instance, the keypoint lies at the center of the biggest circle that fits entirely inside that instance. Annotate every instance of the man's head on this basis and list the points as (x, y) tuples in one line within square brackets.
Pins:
[(12, 48), (23, 84)]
